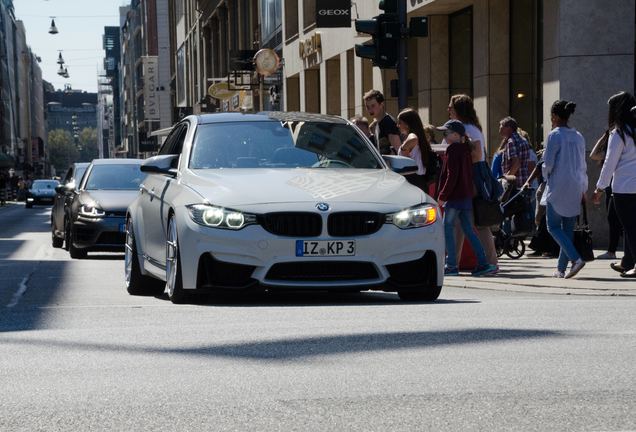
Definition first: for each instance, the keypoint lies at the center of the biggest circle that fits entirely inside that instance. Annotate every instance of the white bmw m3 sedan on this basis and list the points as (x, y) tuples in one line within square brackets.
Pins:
[(278, 201)]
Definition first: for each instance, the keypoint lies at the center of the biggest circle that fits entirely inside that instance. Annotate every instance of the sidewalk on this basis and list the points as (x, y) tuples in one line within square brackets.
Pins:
[(535, 275)]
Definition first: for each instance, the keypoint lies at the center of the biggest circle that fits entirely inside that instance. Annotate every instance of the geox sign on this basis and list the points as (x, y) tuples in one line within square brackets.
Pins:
[(333, 13)]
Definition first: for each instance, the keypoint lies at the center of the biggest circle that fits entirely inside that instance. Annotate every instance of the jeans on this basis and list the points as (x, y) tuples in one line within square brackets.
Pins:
[(466, 222), (562, 230)]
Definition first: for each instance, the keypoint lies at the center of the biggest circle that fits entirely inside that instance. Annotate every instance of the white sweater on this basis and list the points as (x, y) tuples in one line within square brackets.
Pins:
[(620, 163)]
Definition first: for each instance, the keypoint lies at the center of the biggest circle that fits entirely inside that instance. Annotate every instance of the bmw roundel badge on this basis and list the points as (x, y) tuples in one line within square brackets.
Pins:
[(323, 207)]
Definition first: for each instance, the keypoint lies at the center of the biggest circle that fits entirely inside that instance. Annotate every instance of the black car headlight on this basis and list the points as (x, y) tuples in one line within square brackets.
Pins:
[(90, 211), (219, 217), (414, 217)]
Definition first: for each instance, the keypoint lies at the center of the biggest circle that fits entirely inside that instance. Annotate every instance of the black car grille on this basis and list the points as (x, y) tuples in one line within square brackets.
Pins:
[(111, 238), (322, 271), (292, 224), (347, 224)]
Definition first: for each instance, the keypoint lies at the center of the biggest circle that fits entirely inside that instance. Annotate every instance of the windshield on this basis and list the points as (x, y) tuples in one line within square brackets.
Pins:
[(79, 173), (281, 145), (44, 184), (114, 177)]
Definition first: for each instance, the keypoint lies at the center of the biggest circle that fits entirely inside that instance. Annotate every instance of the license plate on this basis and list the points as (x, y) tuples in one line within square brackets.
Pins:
[(122, 227), (325, 248)]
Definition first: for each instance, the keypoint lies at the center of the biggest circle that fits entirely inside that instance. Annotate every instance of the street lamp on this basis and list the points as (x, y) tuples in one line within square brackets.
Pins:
[(60, 60), (53, 28)]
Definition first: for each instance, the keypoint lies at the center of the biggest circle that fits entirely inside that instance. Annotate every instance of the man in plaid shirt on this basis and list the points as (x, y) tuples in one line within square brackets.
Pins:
[(516, 152)]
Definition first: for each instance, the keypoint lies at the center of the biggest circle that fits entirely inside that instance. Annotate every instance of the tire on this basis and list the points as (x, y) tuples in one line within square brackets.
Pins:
[(516, 249), (28, 205), (426, 294), (499, 244), (174, 281), (137, 283), (76, 253), (56, 242)]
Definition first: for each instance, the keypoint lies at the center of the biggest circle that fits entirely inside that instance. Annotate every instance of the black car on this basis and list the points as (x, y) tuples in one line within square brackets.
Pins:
[(97, 217), (41, 192), (64, 195)]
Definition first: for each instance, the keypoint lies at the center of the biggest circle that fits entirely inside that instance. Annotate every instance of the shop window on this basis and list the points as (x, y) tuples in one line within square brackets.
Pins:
[(525, 66), (461, 52)]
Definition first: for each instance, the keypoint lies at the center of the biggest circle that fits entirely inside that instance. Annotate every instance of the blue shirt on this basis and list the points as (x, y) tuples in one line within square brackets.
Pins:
[(565, 171), (497, 168)]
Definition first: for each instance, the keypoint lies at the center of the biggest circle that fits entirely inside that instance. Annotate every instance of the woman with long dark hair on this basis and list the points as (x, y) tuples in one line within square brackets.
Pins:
[(565, 171), (415, 145), (619, 169), (461, 108)]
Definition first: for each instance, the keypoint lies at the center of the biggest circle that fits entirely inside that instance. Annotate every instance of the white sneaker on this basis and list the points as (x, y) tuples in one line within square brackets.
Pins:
[(558, 274), (576, 267), (607, 255)]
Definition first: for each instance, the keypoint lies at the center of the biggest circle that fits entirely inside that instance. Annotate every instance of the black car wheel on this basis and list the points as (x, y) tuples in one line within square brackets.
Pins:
[(427, 291), (137, 283), (56, 241), (76, 253)]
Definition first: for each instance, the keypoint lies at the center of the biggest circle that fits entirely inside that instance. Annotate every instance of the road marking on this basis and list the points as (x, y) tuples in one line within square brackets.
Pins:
[(20, 292)]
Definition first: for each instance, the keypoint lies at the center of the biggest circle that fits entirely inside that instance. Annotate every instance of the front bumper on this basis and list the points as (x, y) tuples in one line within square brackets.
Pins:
[(254, 256), (107, 234), (39, 199)]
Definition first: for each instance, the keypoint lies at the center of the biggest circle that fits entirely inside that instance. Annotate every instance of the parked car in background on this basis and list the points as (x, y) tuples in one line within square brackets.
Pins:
[(278, 201), (64, 195), (96, 219), (41, 192)]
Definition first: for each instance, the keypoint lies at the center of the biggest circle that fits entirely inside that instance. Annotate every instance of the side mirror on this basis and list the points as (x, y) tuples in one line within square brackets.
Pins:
[(401, 164), (163, 164), (65, 188)]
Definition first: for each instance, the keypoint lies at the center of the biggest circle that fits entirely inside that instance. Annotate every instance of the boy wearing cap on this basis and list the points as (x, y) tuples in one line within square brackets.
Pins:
[(456, 195)]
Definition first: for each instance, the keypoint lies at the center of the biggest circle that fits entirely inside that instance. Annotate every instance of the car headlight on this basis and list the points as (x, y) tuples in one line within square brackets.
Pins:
[(414, 217), (91, 211), (219, 217)]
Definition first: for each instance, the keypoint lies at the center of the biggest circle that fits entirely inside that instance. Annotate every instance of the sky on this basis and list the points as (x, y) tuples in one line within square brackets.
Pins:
[(81, 26)]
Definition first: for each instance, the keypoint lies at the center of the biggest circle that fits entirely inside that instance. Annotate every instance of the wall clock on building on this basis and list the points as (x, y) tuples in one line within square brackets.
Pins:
[(266, 61)]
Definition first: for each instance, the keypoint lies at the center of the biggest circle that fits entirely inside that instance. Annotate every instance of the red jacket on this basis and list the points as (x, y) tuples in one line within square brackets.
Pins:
[(456, 180)]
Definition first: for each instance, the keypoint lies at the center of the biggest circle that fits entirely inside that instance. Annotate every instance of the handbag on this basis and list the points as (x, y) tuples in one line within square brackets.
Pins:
[(600, 148), (583, 238), (487, 212)]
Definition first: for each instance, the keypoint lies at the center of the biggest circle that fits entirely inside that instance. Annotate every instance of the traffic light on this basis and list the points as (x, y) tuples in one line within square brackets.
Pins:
[(385, 32)]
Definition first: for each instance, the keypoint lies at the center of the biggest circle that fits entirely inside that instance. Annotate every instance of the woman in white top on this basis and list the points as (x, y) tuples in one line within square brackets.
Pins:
[(415, 145), (461, 108), (619, 169)]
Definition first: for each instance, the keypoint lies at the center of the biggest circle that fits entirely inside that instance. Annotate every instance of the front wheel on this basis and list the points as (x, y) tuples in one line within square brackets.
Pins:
[(516, 248), (74, 252), (137, 283), (174, 281)]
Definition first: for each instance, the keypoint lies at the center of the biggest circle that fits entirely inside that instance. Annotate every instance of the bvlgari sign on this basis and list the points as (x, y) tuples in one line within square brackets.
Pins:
[(333, 13)]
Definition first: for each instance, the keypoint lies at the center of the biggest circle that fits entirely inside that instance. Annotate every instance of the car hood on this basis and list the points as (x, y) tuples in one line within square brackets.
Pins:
[(241, 187), (113, 200)]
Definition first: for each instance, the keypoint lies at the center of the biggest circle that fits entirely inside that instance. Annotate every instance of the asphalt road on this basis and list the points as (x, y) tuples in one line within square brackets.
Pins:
[(78, 353)]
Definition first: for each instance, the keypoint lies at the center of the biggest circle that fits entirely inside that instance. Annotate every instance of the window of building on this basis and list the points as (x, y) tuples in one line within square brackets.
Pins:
[(271, 16), (309, 13), (460, 43), (291, 19), (526, 52)]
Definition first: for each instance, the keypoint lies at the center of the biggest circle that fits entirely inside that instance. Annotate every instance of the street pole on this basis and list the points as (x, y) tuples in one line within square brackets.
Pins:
[(403, 58)]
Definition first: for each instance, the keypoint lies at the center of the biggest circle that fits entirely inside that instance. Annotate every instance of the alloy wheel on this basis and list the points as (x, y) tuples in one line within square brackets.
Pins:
[(128, 252), (172, 254)]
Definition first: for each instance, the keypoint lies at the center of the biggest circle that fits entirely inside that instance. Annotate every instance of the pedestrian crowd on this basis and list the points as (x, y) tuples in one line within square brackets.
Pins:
[(13, 187), (526, 191)]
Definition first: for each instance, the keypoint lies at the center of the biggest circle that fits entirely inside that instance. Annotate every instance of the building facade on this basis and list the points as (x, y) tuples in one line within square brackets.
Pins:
[(144, 76), (70, 110), (22, 127), (513, 57)]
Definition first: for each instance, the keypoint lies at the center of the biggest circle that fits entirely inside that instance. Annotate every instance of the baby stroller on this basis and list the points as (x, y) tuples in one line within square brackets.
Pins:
[(517, 225)]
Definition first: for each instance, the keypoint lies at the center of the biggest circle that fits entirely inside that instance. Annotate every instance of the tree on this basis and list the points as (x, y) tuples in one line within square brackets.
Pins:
[(62, 149), (88, 145)]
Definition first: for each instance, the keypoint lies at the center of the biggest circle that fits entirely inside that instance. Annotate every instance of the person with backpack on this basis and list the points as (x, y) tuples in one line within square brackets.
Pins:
[(456, 196), (417, 147), (619, 170), (462, 108), (565, 171)]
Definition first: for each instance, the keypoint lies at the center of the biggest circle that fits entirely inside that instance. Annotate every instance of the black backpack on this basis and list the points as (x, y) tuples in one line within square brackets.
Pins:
[(433, 167)]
